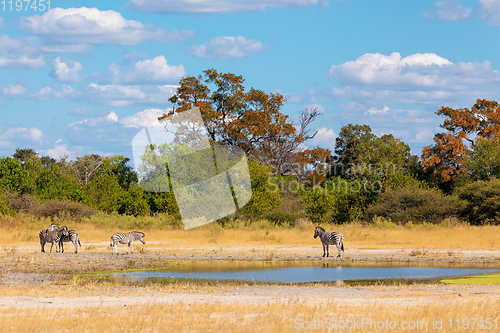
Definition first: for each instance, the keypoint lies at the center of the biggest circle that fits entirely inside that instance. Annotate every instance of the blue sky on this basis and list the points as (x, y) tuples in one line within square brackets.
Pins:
[(86, 76)]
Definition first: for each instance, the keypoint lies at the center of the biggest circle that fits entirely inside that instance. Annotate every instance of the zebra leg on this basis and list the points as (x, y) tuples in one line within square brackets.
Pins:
[(42, 244), (61, 246), (76, 246), (338, 248), (323, 250), (327, 250)]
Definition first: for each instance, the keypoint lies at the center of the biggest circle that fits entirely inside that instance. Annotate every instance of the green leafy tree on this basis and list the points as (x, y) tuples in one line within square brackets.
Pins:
[(482, 162)]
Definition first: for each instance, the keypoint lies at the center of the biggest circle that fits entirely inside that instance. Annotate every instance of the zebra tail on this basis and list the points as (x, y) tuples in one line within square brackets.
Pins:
[(342, 244), (79, 241)]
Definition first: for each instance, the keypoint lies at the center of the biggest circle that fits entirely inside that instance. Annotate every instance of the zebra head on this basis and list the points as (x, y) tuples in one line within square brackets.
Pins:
[(64, 230), (139, 236), (318, 231)]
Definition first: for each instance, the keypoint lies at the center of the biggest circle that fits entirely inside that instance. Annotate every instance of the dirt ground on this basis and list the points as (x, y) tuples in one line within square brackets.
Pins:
[(26, 266)]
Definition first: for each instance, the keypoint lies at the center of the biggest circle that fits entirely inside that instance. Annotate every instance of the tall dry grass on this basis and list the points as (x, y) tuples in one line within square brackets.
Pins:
[(22, 230), (279, 316)]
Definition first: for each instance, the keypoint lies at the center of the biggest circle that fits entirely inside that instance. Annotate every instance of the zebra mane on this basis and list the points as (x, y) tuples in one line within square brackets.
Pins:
[(137, 232), (318, 227)]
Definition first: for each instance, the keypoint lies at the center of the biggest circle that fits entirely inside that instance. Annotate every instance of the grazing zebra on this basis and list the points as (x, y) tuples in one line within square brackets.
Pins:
[(330, 238), (125, 238), (73, 238), (52, 235)]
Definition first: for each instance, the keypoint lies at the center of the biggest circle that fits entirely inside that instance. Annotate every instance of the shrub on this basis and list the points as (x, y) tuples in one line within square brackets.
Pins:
[(414, 205), (62, 208), (482, 202), (280, 218), (20, 203)]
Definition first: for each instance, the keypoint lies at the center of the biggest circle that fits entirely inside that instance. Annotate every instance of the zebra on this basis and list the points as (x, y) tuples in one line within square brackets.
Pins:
[(73, 238), (330, 238), (52, 235), (125, 238)]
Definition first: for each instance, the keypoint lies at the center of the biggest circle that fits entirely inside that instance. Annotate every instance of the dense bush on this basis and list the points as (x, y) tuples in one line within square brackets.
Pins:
[(18, 202), (482, 202), (58, 208), (414, 205)]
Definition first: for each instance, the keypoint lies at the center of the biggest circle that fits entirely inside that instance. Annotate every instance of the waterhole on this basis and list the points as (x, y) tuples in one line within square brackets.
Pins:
[(294, 272)]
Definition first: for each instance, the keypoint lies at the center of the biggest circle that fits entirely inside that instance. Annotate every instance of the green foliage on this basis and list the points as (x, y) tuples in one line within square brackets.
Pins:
[(12, 176), (483, 161), (482, 202), (414, 205), (265, 195)]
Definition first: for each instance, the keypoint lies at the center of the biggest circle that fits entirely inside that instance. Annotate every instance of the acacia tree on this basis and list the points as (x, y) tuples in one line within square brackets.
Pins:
[(250, 119), (444, 160)]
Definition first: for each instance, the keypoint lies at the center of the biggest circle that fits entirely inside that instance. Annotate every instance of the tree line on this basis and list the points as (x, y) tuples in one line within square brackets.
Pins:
[(365, 177)]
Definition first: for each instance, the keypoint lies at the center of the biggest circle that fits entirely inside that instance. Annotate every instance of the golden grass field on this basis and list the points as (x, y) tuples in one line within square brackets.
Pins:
[(68, 300)]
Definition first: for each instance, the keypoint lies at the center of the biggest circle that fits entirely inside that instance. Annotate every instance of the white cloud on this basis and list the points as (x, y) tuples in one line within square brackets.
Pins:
[(57, 91), (325, 138), (82, 26), (20, 136), (154, 70), (419, 78), (227, 48), (144, 118), (112, 117), (125, 95), (59, 151), (448, 10), (220, 6), (490, 10), (15, 53), (66, 70), (109, 94), (11, 91)]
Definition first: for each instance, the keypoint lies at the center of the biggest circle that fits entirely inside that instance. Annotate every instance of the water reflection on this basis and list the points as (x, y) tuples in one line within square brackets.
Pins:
[(290, 272)]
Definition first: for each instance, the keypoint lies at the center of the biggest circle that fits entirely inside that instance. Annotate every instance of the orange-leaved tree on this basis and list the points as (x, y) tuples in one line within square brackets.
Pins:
[(250, 119), (444, 160)]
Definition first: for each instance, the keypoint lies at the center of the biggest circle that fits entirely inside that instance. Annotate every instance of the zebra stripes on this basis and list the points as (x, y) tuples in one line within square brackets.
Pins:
[(125, 238), (52, 235), (72, 237), (329, 238)]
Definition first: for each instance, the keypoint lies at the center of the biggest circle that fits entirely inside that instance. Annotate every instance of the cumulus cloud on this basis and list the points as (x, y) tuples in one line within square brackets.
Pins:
[(220, 6), (59, 151), (448, 10), (57, 91), (84, 26), (125, 95), (419, 78), (490, 10), (227, 48), (144, 118), (15, 53), (154, 70), (325, 138), (11, 91), (109, 94), (19, 136), (66, 70)]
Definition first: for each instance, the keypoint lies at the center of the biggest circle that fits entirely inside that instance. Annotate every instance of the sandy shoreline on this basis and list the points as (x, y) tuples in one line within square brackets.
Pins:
[(28, 267)]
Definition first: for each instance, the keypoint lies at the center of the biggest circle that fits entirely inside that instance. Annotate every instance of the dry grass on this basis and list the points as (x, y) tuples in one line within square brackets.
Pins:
[(287, 316), (356, 236)]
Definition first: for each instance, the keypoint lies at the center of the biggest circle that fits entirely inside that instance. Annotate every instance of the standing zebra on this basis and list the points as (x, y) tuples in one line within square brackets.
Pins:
[(73, 238), (330, 238), (52, 235), (125, 238)]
